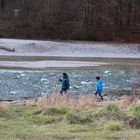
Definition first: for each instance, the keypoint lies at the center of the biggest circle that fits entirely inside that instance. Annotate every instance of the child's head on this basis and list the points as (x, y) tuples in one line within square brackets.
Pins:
[(97, 78), (64, 75)]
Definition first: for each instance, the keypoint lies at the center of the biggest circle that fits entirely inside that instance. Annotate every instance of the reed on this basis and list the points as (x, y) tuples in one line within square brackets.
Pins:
[(84, 101)]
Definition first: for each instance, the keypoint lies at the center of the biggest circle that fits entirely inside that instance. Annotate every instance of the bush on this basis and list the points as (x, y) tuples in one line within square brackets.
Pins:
[(110, 111), (132, 122), (55, 111), (113, 126), (77, 117), (135, 110)]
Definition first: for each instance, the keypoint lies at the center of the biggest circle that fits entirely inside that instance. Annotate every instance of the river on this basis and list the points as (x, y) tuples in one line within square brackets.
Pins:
[(15, 84), (35, 67)]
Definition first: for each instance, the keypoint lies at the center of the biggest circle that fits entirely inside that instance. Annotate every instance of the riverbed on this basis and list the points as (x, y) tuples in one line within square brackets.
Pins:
[(34, 68)]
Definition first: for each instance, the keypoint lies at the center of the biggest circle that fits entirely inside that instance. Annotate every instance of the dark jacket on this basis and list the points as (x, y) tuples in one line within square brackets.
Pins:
[(65, 83)]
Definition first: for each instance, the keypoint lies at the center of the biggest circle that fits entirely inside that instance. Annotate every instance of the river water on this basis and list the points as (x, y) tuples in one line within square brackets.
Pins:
[(15, 84), (34, 68)]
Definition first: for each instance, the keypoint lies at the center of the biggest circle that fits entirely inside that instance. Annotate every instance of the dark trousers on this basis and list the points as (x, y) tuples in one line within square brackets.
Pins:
[(100, 94), (63, 91)]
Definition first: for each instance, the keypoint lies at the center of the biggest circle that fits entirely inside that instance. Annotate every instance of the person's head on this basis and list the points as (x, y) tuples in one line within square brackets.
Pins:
[(97, 78), (65, 75)]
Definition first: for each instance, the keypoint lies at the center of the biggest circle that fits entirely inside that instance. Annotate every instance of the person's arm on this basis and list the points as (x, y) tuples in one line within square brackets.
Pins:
[(96, 86)]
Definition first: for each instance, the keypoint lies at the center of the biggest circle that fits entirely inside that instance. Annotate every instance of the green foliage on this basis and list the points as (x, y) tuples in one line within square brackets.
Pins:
[(110, 111), (25, 111), (31, 123), (8, 114), (36, 116), (76, 117), (43, 120), (135, 110), (55, 111), (4, 114), (113, 126), (3, 125)]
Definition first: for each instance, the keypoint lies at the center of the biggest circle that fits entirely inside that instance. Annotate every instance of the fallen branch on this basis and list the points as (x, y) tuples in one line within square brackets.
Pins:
[(7, 49)]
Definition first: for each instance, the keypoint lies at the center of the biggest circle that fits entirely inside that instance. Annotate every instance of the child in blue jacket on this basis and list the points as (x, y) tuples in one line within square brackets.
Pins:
[(99, 87)]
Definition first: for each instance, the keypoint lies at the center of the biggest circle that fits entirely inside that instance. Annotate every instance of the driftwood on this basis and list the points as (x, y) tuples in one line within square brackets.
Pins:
[(7, 49)]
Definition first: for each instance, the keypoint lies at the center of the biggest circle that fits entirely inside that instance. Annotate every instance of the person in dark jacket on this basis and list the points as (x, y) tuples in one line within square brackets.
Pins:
[(65, 84), (99, 87)]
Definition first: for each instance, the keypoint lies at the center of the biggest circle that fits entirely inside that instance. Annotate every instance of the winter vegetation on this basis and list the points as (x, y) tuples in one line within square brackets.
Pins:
[(71, 19), (52, 116), (60, 118)]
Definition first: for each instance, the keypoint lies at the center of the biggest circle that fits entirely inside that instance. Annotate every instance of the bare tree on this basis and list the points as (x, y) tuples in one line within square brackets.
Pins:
[(79, 19), (2, 3)]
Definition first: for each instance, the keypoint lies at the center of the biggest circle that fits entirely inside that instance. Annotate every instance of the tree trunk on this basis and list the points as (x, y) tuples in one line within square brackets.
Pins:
[(120, 16), (2, 4), (129, 15)]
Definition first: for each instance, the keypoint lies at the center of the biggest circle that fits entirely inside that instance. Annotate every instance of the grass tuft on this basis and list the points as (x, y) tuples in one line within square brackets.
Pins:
[(55, 111), (110, 111), (135, 110), (77, 117), (132, 122), (43, 120), (113, 126)]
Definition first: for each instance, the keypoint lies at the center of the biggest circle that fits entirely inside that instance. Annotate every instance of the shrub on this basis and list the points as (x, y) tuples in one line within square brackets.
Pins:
[(77, 117), (110, 111), (135, 110), (37, 112), (132, 122), (113, 126)]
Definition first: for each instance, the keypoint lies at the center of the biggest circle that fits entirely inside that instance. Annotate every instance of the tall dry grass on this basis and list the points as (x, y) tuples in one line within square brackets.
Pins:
[(126, 100), (58, 100), (84, 101), (4, 106)]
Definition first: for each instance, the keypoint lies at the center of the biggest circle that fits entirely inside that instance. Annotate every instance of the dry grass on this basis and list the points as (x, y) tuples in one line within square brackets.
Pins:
[(4, 106), (84, 101), (125, 101), (30, 102), (138, 101)]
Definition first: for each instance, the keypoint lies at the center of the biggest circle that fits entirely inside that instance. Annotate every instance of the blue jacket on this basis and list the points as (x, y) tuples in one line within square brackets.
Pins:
[(99, 86)]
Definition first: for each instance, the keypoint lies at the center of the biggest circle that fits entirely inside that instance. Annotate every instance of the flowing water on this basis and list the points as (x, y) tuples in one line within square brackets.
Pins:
[(16, 84), (33, 68)]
